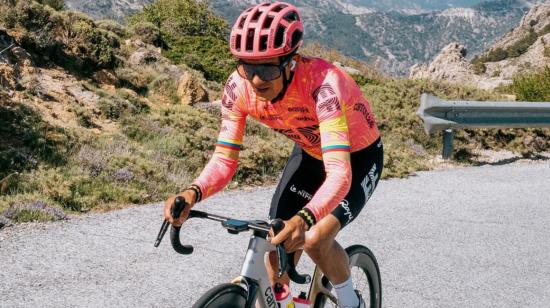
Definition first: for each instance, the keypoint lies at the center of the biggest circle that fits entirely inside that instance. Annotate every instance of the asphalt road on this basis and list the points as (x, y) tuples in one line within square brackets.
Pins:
[(471, 237)]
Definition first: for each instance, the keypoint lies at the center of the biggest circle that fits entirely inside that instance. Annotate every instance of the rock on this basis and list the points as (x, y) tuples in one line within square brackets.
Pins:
[(106, 77), (347, 69), (4, 222), (450, 65), (536, 19), (190, 90), (145, 56), (21, 56)]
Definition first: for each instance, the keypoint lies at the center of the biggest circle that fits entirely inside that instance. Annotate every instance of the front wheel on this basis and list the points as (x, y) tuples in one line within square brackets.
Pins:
[(227, 295), (365, 275)]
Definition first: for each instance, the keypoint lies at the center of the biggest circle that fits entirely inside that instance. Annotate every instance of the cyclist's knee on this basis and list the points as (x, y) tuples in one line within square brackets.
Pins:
[(320, 238), (316, 243)]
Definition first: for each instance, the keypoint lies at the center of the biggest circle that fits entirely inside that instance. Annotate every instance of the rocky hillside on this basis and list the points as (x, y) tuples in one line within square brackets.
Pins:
[(525, 48)]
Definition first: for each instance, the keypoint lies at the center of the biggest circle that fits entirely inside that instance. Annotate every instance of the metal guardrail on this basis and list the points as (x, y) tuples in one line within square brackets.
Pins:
[(439, 114)]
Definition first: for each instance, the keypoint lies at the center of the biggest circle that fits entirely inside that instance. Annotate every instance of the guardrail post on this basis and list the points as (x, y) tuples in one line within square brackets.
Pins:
[(448, 143)]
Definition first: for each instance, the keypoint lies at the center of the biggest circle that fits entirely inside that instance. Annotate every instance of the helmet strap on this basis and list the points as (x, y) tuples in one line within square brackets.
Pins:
[(286, 81)]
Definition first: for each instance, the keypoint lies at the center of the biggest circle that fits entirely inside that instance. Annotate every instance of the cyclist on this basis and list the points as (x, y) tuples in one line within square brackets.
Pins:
[(337, 159)]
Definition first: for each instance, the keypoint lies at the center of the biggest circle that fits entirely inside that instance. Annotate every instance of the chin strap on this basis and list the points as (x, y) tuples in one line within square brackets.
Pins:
[(286, 82)]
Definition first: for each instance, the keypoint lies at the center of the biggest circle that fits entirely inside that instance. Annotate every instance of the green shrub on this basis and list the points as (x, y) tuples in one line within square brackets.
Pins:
[(177, 18), (146, 32), (478, 66), (533, 86), (190, 34), (57, 5), (112, 26), (27, 140), (69, 39), (209, 55), (84, 118)]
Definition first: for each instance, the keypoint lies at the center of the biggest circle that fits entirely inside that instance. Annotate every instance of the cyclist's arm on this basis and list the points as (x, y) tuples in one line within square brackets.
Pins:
[(335, 146), (221, 167)]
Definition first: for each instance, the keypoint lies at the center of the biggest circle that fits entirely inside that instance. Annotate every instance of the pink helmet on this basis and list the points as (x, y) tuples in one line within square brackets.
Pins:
[(267, 30)]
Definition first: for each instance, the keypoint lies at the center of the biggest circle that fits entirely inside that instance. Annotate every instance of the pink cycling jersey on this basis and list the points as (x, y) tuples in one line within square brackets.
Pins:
[(323, 110)]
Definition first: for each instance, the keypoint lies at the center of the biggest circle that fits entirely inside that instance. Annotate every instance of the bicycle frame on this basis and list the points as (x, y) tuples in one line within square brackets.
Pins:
[(254, 276), (254, 273)]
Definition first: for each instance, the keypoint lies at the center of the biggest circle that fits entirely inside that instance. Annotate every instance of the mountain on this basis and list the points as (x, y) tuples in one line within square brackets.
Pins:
[(395, 40), (394, 35), (524, 49)]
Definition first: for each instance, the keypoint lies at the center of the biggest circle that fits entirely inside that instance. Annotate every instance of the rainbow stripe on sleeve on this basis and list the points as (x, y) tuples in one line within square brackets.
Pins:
[(229, 144), (336, 147)]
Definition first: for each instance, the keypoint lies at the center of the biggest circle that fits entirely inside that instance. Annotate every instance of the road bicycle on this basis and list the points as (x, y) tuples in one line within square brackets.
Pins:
[(253, 288)]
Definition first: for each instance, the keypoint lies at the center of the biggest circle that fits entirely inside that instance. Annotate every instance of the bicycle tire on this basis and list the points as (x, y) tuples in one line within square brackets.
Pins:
[(224, 295), (362, 258)]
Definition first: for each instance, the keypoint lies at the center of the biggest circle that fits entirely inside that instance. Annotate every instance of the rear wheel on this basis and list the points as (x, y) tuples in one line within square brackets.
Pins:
[(365, 275), (225, 295)]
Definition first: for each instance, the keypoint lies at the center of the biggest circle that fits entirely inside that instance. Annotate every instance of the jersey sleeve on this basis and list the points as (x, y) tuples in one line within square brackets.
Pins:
[(223, 164), (335, 145)]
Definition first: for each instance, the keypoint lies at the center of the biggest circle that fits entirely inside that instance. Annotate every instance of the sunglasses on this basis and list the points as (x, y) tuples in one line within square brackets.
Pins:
[(265, 72)]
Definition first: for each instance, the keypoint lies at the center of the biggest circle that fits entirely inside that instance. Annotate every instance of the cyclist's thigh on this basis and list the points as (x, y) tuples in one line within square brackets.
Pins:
[(301, 178), (366, 166)]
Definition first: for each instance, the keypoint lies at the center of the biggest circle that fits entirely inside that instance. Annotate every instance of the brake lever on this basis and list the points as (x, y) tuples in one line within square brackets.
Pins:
[(179, 206), (293, 274), (277, 225)]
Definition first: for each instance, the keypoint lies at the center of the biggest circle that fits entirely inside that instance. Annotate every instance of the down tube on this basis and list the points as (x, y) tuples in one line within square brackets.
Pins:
[(254, 268)]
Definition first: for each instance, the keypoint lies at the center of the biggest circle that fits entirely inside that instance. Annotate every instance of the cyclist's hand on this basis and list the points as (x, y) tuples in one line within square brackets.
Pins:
[(293, 235), (189, 197)]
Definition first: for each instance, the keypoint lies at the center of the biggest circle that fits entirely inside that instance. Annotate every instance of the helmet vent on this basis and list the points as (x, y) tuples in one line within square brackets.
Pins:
[(296, 38), (250, 40), (256, 16), (267, 22), (292, 16), (263, 43), (278, 8), (241, 22), (279, 37), (238, 42)]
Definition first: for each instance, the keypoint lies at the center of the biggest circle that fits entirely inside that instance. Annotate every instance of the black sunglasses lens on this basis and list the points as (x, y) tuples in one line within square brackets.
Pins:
[(264, 72)]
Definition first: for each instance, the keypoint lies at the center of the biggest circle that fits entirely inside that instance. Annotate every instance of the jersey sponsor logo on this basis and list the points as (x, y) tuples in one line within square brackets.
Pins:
[(363, 110), (345, 205), (270, 117), (302, 193), (369, 182), (305, 118), (299, 109), (311, 133)]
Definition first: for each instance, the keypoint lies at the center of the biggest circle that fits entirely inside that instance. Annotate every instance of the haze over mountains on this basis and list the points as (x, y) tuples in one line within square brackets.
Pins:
[(393, 35)]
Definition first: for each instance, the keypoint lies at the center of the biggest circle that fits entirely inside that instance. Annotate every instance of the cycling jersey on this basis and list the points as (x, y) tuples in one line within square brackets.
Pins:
[(323, 110)]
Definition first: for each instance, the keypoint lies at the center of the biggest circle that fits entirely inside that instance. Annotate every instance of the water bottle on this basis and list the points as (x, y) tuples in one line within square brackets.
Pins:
[(283, 296), (301, 301)]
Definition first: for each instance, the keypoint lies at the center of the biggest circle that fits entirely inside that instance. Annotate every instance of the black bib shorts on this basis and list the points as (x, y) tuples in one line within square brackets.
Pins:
[(303, 175)]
